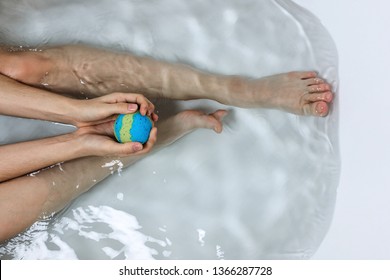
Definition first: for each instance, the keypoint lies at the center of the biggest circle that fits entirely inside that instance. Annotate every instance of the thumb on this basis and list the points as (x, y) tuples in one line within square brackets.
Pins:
[(127, 149)]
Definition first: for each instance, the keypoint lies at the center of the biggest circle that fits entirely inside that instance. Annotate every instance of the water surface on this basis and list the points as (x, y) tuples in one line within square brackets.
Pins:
[(263, 189)]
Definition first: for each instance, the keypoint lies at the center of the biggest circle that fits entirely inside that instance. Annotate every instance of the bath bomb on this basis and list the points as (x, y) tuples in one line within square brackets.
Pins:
[(132, 128)]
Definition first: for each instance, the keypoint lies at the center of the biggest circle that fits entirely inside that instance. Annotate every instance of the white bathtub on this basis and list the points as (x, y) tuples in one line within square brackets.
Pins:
[(280, 200)]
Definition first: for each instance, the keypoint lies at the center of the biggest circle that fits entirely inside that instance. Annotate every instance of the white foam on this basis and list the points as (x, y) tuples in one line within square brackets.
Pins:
[(201, 236)]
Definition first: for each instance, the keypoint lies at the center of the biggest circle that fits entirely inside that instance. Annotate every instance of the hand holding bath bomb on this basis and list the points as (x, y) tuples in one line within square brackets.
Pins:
[(132, 128)]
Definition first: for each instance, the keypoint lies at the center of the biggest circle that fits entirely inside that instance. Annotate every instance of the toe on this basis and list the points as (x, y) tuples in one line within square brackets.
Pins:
[(308, 75), (315, 97), (218, 127), (219, 114), (215, 120), (314, 81), (302, 75), (319, 109), (318, 88)]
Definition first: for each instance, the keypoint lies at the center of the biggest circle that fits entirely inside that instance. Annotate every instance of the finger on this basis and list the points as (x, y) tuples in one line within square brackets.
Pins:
[(145, 106), (121, 108), (136, 148), (112, 117), (127, 149), (127, 108), (151, 142), (119, 97), (154, 117)]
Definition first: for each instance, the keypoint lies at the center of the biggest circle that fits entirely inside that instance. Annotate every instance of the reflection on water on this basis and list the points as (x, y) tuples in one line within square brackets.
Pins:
[(115, 231), (264, 188)]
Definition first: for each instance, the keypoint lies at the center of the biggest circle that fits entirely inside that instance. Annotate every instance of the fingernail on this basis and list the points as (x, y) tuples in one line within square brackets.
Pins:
[(132, 107), (137, 147)]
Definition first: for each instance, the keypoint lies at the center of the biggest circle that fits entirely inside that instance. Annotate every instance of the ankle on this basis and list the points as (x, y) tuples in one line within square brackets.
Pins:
[(236, 87)]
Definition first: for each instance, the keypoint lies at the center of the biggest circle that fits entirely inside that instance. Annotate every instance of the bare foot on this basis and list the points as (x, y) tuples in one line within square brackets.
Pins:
[(183, 123), (301, 93)]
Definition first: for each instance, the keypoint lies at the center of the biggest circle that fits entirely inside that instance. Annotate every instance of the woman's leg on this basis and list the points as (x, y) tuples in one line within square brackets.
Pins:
[(26, 199), (92, 72)]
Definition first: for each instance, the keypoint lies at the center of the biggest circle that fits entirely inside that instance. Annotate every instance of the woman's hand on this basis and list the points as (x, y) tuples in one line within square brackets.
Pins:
[(104, 109), (98, 140), (95, 122)]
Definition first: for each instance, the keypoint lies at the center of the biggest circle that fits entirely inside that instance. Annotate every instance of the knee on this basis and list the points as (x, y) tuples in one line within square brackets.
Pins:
[(11, 226), (6, 229), (26, 67)]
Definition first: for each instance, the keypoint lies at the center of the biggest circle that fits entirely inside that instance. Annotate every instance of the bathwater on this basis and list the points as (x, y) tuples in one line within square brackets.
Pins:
[(263, 189)]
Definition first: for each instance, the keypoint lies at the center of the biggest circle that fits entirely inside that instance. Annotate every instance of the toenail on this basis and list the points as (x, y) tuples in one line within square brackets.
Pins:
[(320, 108), (328, 96)]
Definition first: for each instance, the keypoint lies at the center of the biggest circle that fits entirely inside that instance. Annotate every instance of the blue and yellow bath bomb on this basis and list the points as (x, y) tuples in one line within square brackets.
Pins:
[(132, 128)]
